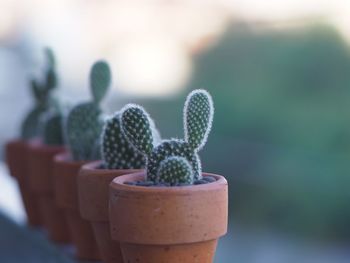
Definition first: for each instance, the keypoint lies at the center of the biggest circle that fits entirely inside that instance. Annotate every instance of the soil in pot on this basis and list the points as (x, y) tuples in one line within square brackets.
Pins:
[(40, 168), (168, 224), (16, 159), (93, 185), (66, 193)]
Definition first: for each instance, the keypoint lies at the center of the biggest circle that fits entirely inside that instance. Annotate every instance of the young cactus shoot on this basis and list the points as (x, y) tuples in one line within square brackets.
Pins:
[(174, 161), (84, 122)]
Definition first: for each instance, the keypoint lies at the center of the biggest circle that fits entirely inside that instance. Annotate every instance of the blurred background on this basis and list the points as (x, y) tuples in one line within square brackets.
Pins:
[(279, 74)]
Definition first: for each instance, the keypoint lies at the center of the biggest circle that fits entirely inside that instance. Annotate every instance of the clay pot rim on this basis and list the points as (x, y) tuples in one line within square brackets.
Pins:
[(91, 169), (93, 200), (118, 183), (143, 224), (16, 141), (38, 145), (66, 158)]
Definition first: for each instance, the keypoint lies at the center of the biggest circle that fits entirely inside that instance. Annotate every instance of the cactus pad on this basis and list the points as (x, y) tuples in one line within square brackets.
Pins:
[(174, 171), (52, 129), (84, 126), (100, 78), (84, 123), (198, 118), (171, 148), (117, 152), (138, 128)]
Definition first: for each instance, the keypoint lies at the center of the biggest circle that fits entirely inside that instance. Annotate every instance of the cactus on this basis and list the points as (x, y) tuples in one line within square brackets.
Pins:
[(198, 117), (84, 123), (116, 151), (42, 93), (52, 128)]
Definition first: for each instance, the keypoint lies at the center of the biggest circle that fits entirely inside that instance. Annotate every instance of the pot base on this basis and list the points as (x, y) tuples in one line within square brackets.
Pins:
[(82, 236), (31, 206), (16, 158), (109, 249), (54, 220), (202, 252)]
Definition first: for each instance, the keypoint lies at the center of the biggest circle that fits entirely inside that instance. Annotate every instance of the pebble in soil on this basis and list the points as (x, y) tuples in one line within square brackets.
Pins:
[(204, 180)]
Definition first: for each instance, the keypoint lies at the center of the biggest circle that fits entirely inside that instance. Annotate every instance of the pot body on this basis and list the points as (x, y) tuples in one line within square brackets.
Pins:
[(40, 168), (66, 196), (93, 185), (16, 152), (168, 224)]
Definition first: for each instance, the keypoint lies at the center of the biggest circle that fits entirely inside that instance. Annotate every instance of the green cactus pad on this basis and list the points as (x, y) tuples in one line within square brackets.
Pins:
[(52, 130), (117, 152), (31, 125), (137, 127), (50, 57), (51, 78), (198, 118), (175, 170), (83, 130), (100, 79), (172, 148)]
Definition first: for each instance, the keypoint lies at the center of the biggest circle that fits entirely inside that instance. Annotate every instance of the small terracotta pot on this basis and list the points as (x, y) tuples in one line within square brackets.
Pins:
[(93, 185), (168, 224), (40, 168), (66, 193), (16, 158)]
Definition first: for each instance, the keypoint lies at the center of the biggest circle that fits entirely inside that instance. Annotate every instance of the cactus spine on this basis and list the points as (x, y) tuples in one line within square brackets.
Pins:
[(42, 93), (84, 122), (116, 151), (198, 117)]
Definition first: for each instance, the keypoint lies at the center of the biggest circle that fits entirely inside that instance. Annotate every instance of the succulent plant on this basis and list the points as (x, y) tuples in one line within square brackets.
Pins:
[(42, 93), (84, 123), (116, 151), (172, 161)]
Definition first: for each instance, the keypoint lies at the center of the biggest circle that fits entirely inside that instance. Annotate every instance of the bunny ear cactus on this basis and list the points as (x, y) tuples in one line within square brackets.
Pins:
[(84, 122), (42, 93), (116, 151), (198, 117)]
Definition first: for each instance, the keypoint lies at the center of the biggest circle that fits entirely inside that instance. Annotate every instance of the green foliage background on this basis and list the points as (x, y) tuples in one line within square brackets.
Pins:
[(281, 130)]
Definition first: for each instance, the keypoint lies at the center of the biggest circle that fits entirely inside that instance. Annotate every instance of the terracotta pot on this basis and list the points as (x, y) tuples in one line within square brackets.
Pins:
[(16, 158), (40, 168), (93, 185), (66, 193), (168, 224)]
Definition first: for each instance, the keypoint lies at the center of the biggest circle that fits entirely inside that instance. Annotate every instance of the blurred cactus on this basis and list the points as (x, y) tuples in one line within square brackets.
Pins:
[(198, 117), (84, 122), (52, 128), (116, 151), (42, 93)]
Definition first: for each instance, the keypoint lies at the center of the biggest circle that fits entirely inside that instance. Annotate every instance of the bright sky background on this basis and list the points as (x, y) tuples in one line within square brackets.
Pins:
[(149, 43)]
